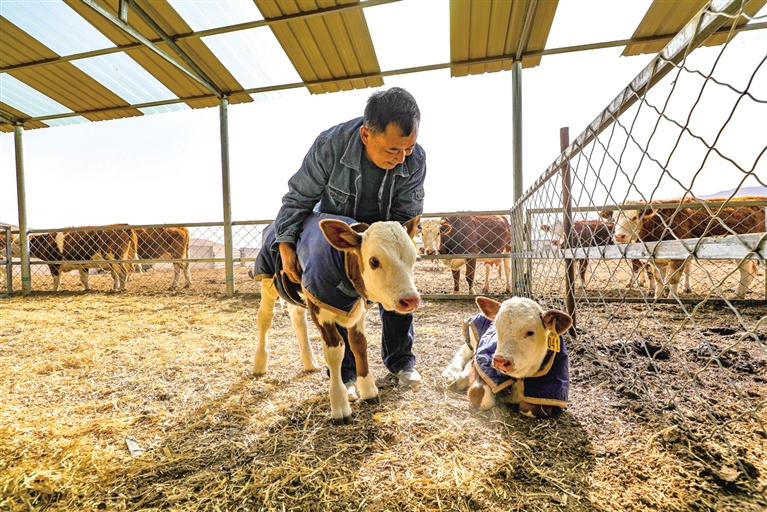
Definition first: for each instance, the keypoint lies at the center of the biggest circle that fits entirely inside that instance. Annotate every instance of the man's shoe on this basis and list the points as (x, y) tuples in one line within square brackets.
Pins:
[(409, 378)]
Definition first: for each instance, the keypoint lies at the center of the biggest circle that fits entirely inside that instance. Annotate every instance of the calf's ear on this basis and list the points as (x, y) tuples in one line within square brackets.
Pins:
[(359, 227), (411, 226), (488, 306), (340, 234), (564, 321)]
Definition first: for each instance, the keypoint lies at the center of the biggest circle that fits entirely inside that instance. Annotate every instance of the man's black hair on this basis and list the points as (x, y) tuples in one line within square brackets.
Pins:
[(394, 105)]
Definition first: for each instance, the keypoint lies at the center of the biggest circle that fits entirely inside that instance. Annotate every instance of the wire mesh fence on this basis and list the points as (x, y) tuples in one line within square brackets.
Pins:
[(666, 283)]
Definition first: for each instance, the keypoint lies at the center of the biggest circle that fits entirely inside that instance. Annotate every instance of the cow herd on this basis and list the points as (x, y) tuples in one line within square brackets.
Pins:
[(105, 248)]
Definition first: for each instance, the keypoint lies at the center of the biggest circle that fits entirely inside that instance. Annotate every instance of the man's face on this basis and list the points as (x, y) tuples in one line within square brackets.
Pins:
[(388, 149)]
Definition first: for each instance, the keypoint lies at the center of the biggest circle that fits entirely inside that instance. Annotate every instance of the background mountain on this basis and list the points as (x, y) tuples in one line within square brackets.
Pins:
[(745, 191)]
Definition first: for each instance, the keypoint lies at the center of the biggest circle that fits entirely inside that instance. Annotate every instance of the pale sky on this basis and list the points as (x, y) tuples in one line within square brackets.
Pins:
[(166, 168)]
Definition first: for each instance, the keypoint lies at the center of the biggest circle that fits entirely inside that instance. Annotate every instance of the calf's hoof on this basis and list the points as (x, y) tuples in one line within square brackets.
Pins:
[(535, 410), (346, 420)]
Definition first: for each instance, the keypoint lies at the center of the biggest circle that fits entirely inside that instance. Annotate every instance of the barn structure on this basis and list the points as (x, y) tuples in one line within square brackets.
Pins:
[(686, 365)]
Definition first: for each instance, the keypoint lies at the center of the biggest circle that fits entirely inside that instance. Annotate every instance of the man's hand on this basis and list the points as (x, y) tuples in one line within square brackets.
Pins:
[(290, 263)]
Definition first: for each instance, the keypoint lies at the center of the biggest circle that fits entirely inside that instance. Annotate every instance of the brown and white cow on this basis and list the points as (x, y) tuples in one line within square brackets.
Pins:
[(477, 234), (650, 224), (595, 233), (100, 246), (171, 242), (379, 262), (522, 355), (430, 237)]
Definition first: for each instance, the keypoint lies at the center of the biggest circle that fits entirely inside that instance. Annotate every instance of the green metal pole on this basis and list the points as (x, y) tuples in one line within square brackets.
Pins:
[(26, 283), (517, 220), (228, 252)]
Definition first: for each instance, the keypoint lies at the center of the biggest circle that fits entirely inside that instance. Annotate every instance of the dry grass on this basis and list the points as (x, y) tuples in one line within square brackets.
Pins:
[(147, 402)]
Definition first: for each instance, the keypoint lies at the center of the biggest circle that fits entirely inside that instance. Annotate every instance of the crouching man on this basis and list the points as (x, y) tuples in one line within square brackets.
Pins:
[(515, 350)]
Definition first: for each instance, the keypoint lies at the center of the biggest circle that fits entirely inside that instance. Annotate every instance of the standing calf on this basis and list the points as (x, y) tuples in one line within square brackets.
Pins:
[(345, 265)]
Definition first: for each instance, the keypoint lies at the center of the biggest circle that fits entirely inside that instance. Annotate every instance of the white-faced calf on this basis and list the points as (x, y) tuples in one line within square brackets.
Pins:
[(514, 352), (344, 266)]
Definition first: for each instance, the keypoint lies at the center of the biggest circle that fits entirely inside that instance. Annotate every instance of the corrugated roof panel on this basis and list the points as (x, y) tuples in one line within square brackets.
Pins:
[(253, 57), (29, 102), (15, 113), (544, 18), (174, 79), (460, 21), (482, 28), (66, 84), (120, 74), (322, 47), (221, 13), (664, 17), (256, 59), (53, 24)]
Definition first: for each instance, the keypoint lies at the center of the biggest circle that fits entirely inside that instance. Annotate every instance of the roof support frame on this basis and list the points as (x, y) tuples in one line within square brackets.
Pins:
[(149, 44), (202, 33), (170, 42), (297, 85), (527, 29)]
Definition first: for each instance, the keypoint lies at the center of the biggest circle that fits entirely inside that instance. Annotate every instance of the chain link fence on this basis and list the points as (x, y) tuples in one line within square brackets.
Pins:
[(667, 283)]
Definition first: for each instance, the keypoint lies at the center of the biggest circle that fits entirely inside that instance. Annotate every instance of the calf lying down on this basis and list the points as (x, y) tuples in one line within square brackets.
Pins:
[(514, 352)]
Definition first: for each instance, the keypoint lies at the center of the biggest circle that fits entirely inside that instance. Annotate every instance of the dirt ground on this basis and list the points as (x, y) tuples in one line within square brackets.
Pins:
[(146, 401)]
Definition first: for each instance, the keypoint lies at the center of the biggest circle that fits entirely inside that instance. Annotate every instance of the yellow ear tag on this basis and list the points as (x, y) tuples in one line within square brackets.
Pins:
[(553, 338)]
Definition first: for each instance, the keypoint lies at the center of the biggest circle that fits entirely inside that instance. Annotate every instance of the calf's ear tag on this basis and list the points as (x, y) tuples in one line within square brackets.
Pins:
[(553, 338)]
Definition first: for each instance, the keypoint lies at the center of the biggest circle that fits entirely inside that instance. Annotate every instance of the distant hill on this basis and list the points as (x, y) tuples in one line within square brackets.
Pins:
[(745, 191)]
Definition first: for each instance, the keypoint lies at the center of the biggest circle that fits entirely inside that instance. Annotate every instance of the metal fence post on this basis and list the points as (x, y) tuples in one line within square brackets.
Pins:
[(26, 283), (228, 252), (516, 218), (567, 226)]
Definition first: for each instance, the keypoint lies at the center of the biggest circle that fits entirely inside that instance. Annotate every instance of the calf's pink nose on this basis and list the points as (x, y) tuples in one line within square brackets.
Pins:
[(503, 365), (410, 303)]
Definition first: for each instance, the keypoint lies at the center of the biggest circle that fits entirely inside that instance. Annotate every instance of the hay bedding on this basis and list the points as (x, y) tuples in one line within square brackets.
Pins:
[(146, 402)]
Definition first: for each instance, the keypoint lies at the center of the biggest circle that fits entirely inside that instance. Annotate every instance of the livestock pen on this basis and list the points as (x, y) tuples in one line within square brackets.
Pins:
[(144, 400)]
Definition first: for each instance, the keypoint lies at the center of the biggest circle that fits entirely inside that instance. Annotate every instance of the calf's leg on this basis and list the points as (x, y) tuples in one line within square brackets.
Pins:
[(333, 349), (359, 345), (301, 327), (480, 394), (747, 270), (264, 322)]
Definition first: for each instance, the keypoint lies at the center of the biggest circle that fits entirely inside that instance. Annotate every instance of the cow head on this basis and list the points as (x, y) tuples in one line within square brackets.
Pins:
[(382, 256), (16, 246), (523, 329), (430, 235), (628, 222), (555, 232)]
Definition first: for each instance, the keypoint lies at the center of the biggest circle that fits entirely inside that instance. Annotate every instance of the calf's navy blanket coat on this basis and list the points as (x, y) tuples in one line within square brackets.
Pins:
[(324, 277), (549, 386)]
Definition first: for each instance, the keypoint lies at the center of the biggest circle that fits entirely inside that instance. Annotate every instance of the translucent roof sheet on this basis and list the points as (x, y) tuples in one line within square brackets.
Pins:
[(125, 78), (22, 97), (395, 48), (254, 57), (53, 23), (64, 57), (586, 21), (221, 13)]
